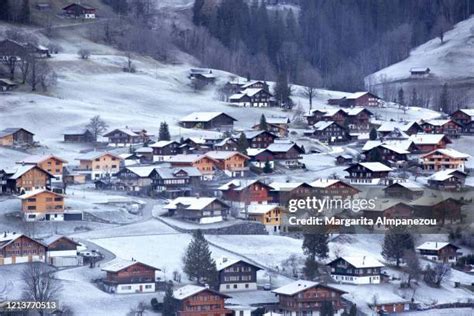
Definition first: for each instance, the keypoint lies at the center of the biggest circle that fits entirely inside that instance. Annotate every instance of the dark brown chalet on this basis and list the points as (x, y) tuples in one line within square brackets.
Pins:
[(79, 11), (25, 178), (164, 148), (389, 210), (358, 119), (465, 117), (439, 251), (386, 153), (447, 180), (330, 132), (208, 120), (193, 300), (362, 99), (260, 139), (129, 276), (19, 248), (16, 136), (286, 152), (282, 192), (126, 136), (404, 190), (227, 144), (236, 275), (442, 209), (366, 173), (261, 157), (333, 188), (252, 97), (356, 270), (449, 128), (303, 297), (79, 137), (174, 182), (426, 143), (344, 159), (244, 192)]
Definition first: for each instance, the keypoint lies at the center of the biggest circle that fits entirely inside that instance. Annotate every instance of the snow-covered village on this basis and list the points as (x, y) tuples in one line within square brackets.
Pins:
[(236, 157)]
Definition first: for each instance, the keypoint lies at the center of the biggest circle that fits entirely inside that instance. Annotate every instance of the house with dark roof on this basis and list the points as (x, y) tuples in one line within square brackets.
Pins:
[(164, 149), (79, 11), (362, 99), (208, 120), (465, 117), (368, 173), (447, 180), (82, 136), (261, 157)]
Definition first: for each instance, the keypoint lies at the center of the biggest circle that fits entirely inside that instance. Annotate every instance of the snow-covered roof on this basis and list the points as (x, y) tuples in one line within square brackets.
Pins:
[(162, 143), (259, 209), (298, 286), (394, 148), (12, 130), (426, 139), (51, 239), (96, 154), (469, 112), (356, 95), (450, 153), (224, 262), (399, 146), (186, 158), (390, 126), (375, 166), (187, 291), (141, 171), (324, 183), (222, 155), (237, 184), (285, 186), (252, 82), (119, 264), (432, 245), (142, 150), (419, 69), (191, 203), (362, 261), (443, 175), (332, 112), (170, 173), (280, 147), (32, 193), (411, 185), (202, 116), (437, 122), (254, 151), (20, 170), (36, 159), (277, 120), (7, 238), (355, 111), (322, 125), (251, 91)]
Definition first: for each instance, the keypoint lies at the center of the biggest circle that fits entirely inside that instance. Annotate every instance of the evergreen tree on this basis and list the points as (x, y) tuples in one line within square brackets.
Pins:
[(282, 91), (316, 245), (414, 98), (263, 126), (310, 269), (401, 97), (24, 15), (267, 168), (170, 305), (242, 143), (373, 134), (198, 263), (327, 309), (164, 133), (396, 242), (4, 10)]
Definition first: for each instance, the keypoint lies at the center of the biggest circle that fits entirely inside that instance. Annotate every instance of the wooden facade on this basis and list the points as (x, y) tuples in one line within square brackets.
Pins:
[(203, 303), (16, 136), (79, 137), (18, 248), (43, 204)]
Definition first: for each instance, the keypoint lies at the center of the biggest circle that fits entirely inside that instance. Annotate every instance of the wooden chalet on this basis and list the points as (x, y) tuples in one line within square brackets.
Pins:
[(368, 173), (203, 210), (303, 297), (361, 99), (42, 205), (98, 165), (333, 189), (201, 77), (465, 117), (276, 125), (164, 150), (426, 143), (84, 136), (205, 164), (438, 207), (439, 251), (287, 153), (227, 144), (232, 163), (330, 132), (53, 164), (261, 157), (175, 182), (193, 300), (121, 137), (25, 178), (407, 128), (145, 155), (260, 139), (282, 192), (448, 127), (387, 153), (420, 71), (236, 275), (79, 11), (16, 137), (252, 97), (208, 120), (18, 248), (406, 190), (447, 180), (388, 209), (270, 215), (441, 159), (356, 270), (245, 192), (135, 179), (129, 276), (344, 160)]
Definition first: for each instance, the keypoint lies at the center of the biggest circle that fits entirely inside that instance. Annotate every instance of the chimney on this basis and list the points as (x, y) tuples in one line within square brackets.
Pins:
[(363, 260)]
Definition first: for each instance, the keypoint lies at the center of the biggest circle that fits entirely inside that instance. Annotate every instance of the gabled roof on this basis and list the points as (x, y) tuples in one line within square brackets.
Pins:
[(277, 120), (438, 122), (191, 290), (224, 262), (448, 152), (356, 95), (253, 134), (283, 147), (287, 186), (128, 131), (360, 261), (239, 184), (162, 143), (402, 144), (119, 264), (8, 238), (12, 130), (141, 171), (434, 245), (252, 82), (20, 170), (410, 185), (203, 117), (373, 166), (260, 209), (322, 125), (192, 203), (37, 159), (144, 150), (52, 239), (252, 152), (428, 139), (223, 155), (96, 154), (325, 183), (170, 173), (444, 175), (299, 286), (469, 112), (191, 158), (33, 193)]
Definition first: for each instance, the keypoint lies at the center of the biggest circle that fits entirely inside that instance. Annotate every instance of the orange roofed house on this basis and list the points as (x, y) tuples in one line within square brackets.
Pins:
[(42, 205), (203, 163), (195, 300), (19, 248), (232, 163), (99, 165), (50, 163)]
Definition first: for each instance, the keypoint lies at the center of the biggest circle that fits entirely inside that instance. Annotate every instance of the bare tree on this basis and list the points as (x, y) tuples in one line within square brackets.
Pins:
[(309, 93), (40, 285), (84, 53), (137, 310), (434, 276), (413, 267), (41, 74), (97, 126)]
